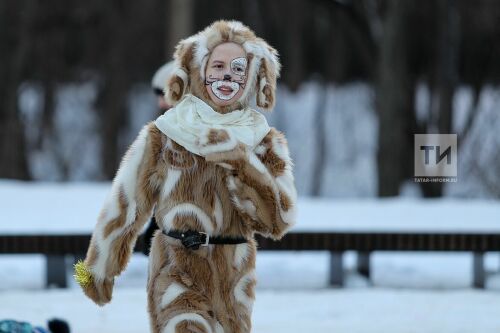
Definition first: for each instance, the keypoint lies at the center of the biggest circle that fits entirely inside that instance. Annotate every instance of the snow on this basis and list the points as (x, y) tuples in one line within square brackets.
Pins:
[(68, 147), (351, 136), (73, 208), (408, 292), (320, 311)]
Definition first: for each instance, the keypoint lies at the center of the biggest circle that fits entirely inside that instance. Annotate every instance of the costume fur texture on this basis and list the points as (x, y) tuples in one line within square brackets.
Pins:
[(229, 192)]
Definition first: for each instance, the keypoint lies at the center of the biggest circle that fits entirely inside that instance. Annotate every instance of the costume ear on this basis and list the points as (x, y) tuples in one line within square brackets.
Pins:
[(266, 79), (178, 82)]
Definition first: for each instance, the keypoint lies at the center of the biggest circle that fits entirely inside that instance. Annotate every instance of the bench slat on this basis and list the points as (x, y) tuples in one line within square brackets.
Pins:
[(295, 241)]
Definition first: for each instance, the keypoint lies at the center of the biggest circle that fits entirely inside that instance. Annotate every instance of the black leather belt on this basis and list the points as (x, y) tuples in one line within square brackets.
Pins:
[(194, 239)]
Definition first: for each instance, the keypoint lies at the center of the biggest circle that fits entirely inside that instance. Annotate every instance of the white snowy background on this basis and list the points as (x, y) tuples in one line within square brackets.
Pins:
[(408, 292)]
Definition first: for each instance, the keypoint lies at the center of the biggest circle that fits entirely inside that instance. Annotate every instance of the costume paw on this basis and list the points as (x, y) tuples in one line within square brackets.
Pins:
[(100, 291)]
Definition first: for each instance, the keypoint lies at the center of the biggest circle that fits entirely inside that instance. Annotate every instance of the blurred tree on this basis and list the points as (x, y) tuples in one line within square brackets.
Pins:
[(395, 46), (179, 24), (394, 100), (445, 79), (16, 19)]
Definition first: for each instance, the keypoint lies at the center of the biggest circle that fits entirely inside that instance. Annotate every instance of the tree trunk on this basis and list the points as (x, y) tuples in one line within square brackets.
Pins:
[(394, 102), (446, 77), (14, 60), (179, 24)]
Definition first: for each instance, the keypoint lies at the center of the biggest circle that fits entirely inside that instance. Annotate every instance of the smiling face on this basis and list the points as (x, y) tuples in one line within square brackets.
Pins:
[(226, 73)]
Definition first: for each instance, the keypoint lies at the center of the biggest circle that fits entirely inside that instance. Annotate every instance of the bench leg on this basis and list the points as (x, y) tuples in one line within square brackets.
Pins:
[(478, 271), (363, 264), (56, 271), (336, 270)]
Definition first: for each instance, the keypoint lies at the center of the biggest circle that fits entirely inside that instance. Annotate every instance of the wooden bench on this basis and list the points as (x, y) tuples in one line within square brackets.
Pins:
[(57, 247)]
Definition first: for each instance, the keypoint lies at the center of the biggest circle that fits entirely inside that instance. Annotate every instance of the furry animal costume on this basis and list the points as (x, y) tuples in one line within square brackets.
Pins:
[(225, 189)]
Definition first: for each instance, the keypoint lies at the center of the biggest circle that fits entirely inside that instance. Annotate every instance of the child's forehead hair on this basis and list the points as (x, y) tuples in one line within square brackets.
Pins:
[(227, 51)]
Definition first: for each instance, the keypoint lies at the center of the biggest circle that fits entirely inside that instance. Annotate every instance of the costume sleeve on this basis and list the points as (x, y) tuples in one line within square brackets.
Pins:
[(129, 205), (263, 189)]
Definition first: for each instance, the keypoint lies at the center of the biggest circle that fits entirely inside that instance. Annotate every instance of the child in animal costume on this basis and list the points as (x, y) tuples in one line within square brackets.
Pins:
[(217, 174)]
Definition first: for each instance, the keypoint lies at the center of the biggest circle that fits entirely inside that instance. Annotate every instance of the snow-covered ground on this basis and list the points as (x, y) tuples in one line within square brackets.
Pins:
[(74, 207), (408, 292), (297, 311)]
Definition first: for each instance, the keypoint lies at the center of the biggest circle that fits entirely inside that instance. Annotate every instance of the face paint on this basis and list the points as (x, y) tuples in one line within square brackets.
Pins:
[(226, 73), (239, 66), (228, 86), (225, 90)]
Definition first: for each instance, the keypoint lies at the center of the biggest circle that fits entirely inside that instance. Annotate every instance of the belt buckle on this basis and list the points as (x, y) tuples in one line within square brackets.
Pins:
[(207, 239)]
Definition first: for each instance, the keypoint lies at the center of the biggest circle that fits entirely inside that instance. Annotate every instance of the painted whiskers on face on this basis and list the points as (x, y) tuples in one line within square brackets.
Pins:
[(228, 86)]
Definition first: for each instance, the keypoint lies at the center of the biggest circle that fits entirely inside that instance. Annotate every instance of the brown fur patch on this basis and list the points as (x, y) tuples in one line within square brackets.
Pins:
[(100, 291), (178, 157), (274, 163), (217, 136), (269, 88), (191, 327), (285, 201), (176, 88), (249, 289), (121, 250)]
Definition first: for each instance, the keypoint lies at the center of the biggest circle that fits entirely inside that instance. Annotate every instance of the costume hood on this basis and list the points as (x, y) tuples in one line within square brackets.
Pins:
[(191, 56)]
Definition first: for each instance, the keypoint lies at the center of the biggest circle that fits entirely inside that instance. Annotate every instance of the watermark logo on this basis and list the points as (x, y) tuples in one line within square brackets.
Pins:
[(435, 157)]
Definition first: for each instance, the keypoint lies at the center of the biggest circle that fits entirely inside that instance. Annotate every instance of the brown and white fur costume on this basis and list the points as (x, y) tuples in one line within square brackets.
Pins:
[(233, 191)]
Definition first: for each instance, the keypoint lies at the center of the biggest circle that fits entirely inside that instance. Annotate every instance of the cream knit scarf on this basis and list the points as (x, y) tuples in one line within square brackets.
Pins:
[(189, 122)]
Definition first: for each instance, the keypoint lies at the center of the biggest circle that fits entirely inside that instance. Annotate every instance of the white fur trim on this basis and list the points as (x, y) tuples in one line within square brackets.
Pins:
[(173, 176), (260, 49), (218, 213), (257, 164), (240, 254), (289, 216), (225, 165), (194, 317), (127, 173), (218, 328), (237, 203), (173, 291), (249, 207), (239, 290), (103, 247), (260, 150), (236, 25), (189, 210), (231, 183), (201, 53), (286, 185)]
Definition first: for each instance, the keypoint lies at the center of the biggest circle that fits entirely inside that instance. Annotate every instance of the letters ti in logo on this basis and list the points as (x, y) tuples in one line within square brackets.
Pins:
[(435, 155)]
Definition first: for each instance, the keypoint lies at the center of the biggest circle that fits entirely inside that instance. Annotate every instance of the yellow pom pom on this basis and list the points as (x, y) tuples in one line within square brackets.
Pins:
[(82, 274)]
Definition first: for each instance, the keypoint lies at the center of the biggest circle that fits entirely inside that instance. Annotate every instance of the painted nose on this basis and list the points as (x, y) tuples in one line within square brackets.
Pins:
[(227, 77)]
